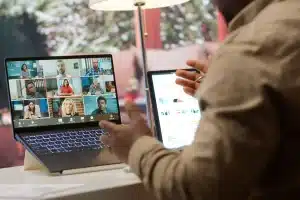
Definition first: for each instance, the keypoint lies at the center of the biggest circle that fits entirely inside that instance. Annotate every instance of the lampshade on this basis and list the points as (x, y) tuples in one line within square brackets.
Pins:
[(123, 5)]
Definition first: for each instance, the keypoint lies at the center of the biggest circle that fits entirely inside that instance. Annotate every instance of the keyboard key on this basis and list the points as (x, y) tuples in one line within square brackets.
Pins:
[(85, 143), (44, 144), (73, 136)]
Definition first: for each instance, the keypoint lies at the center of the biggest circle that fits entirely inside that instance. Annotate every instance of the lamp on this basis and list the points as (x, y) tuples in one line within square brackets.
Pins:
[(127, 5)]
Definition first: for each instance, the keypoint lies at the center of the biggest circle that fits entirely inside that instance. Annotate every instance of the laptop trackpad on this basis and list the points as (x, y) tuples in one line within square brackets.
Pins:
[(75, 160)]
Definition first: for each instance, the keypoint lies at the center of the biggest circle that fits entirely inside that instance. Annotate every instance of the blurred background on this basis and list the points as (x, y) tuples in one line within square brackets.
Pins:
[(56, 27)]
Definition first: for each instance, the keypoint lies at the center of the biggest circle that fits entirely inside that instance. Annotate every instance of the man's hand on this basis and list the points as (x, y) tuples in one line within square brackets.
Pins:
[(122, 137), (188, 79)]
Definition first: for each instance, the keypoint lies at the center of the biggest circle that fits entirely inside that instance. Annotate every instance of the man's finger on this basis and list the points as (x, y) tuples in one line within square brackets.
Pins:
[(197, 65), (189, 91), (133, 111), (105, 139), (187, 74), (185, 83), (108, 126)]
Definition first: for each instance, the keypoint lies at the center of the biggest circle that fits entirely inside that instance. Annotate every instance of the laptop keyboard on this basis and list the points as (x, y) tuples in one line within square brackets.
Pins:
[(67, 141)]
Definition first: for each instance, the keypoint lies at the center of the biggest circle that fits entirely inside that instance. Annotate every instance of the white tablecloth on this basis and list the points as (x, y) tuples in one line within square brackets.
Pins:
[(104, 185)]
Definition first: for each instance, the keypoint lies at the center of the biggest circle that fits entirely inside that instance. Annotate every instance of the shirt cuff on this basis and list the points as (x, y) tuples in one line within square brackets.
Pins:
[(139, 149)]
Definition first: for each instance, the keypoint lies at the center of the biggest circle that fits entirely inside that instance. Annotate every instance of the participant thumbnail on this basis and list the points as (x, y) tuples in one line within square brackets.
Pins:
[(30, 109), (24, 70), (35, 109), (69, 87), (27, 89), (66, 68), (97, 66), (63, 87), (35, 89), (92, 86), (99, 105), (66, 107)]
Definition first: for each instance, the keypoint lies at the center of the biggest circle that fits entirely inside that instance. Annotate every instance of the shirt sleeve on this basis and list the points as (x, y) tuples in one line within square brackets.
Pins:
[(236, 138)]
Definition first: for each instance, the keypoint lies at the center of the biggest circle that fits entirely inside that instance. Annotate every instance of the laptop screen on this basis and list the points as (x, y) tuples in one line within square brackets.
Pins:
[(178, 114), (63, 90)]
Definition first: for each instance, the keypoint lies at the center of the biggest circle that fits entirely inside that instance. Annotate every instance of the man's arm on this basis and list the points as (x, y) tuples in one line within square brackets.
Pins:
[(236, 138)]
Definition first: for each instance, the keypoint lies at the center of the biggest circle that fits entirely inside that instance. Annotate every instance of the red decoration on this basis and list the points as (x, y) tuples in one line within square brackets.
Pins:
[(222, 27)]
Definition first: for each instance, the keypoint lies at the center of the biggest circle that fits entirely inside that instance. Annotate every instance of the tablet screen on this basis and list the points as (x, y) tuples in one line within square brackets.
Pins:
[(178, 113)]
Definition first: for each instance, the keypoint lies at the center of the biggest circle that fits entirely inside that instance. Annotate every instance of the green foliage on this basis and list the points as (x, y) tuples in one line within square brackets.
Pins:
[(181, 25), (72, 27)]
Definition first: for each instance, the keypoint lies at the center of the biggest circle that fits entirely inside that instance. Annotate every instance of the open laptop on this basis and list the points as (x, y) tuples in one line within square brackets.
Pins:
[(176, 114), (56, 104)]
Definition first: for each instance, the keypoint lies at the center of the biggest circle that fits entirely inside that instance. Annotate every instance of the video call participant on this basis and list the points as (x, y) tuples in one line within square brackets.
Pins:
[(61, 69), (32, 111), (94, 71), (24, 71), (31, 91), (66, 89), (95, 87), (102, 106), (68, 108)]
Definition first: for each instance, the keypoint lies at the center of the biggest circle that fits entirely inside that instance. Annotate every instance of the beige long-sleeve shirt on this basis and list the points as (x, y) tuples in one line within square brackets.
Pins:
[(247, 145)]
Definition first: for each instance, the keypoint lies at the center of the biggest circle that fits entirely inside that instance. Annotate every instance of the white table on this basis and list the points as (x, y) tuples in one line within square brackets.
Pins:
[(102, 185)]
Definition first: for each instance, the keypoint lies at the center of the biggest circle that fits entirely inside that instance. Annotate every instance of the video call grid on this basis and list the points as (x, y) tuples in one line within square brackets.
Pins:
[(38, 92)]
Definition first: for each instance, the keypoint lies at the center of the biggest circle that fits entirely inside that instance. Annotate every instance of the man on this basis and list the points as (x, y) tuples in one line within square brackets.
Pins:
[(61, 69), (102, 106), (31, 91), (95, 88), (247, 144), (94, 71)]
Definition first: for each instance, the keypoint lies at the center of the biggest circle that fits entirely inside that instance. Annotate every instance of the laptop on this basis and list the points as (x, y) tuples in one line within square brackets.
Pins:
[(56, 105), (176, 114)]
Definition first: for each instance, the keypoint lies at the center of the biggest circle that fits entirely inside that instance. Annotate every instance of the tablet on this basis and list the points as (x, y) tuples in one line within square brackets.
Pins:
[(176, 114)]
